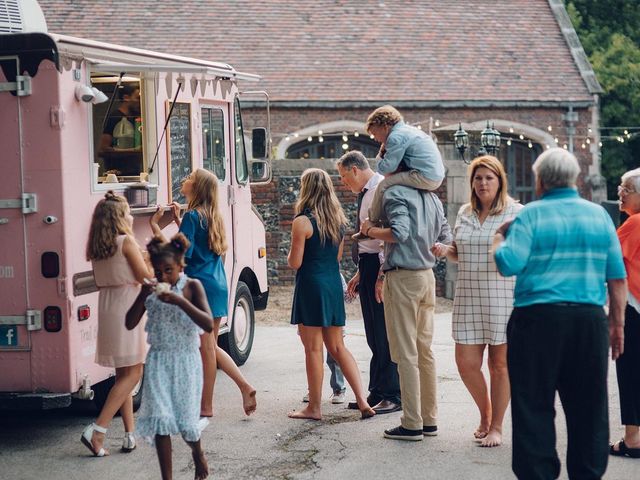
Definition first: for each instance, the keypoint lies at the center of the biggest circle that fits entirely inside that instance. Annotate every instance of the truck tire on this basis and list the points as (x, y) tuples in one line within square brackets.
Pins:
[(101, 392), (239, 340)]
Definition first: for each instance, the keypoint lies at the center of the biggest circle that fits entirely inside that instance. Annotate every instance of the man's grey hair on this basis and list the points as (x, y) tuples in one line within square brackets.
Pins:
[(634, 178), (353, 158), (556, 168)]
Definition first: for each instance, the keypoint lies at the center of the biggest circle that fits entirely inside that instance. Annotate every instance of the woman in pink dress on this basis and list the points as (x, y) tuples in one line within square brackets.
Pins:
[(119, 268)]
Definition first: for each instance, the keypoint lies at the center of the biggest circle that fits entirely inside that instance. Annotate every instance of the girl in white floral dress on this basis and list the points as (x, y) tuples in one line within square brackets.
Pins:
[(178, 313)]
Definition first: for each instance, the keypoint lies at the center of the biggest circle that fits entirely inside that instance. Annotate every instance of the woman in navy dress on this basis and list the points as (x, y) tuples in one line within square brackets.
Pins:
[(203, 226), (318, 303)]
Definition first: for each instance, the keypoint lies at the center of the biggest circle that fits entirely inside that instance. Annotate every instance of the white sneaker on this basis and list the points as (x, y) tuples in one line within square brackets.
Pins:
[(338, 397), (305, 399)]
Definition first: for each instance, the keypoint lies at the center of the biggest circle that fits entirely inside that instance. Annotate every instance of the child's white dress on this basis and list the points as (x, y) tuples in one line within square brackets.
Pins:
[(173, 372)]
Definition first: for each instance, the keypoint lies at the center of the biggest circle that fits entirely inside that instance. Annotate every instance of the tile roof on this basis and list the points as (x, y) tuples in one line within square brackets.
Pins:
[(349, 50)]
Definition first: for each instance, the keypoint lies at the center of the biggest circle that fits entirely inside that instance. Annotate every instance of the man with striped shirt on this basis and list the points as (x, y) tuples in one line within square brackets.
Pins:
[(563, 250)]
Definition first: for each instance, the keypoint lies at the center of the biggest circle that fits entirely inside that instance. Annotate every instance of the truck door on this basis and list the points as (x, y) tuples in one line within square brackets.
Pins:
[(16, 320), (216, 145)]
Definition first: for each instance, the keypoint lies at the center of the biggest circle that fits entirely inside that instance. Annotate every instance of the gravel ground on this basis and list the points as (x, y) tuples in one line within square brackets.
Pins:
[(279, 307)]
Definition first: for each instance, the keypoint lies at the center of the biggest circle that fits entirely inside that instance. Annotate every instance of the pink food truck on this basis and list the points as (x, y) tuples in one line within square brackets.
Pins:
[(79, 118)]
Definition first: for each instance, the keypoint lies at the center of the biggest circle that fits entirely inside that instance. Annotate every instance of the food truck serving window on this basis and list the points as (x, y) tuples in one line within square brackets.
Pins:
[(118, 128), (213, 144)]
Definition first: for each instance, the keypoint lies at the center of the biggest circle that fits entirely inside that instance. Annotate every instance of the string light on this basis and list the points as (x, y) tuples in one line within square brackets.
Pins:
[(521, 137), (419, 127), (510, 129), (309, 139), (509, 142), (321, 139), (296, 135), (345, 146), (344, 137), (584, 146), (356, 134), (549, 128), (530, 145), (437, 123), (319, 132), (287, 138), (564, 146)]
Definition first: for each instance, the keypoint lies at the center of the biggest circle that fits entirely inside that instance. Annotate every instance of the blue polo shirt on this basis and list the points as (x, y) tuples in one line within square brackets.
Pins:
[(562, 249)]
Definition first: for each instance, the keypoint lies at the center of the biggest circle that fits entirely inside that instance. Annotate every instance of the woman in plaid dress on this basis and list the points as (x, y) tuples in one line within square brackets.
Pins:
[(483, 298)]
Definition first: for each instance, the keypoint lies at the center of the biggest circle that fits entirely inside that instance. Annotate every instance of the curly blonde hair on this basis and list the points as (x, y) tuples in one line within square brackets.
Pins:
[(382, 117), (109, 220), (205, 202), (318, 195)]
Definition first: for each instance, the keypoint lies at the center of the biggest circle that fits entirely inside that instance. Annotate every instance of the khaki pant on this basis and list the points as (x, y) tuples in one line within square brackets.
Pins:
[(411, 178), (409, 303)]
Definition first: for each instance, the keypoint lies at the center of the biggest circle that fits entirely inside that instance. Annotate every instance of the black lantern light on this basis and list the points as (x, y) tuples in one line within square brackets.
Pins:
[(461, 141), (489, 139)]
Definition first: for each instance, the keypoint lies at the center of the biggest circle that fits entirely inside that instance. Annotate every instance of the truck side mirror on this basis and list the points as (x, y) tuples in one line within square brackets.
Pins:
[(260, 171), (259, 143)]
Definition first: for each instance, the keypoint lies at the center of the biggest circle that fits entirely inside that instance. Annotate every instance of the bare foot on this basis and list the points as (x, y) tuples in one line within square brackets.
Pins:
[(249, 402), (481, 432), (202, 468), (493, 439), (306, 414), (367, 413)]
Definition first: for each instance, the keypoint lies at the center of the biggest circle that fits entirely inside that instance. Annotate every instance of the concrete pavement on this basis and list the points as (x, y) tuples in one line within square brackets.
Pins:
[(46, 445)]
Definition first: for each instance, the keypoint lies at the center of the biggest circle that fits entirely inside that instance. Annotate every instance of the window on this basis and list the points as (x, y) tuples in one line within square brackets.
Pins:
[(518, 159), (179, 148), (213, 144), (332, 146), (242, 171), (118, 129)]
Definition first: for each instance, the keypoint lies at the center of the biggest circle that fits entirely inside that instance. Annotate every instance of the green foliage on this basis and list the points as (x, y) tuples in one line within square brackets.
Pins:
[(610, 34)]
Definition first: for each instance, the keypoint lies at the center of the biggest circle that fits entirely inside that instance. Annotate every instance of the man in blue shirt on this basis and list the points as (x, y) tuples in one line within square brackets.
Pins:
[(415, 221), (563, 250)]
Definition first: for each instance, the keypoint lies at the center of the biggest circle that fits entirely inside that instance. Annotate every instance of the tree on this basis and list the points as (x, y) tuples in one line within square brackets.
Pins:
[(610, 34)]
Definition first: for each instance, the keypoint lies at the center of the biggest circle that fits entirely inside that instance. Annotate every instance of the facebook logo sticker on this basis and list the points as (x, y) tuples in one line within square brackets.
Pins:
[(8, 336)]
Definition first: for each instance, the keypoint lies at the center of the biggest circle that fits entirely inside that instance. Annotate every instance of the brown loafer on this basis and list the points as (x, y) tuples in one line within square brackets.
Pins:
[(386, 406)]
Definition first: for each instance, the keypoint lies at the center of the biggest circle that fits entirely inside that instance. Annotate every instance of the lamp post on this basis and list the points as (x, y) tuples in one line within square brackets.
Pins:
[(489, 138)]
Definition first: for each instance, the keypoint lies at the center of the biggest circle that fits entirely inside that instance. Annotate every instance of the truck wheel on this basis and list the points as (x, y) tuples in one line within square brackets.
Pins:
[(101, 392), (239, 340)]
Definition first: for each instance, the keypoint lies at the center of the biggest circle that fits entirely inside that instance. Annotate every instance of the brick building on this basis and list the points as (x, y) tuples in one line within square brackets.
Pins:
[(326, 64)]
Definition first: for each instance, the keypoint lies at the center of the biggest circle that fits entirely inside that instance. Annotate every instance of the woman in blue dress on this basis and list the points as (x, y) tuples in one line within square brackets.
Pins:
[(318, 303), (203, 226)]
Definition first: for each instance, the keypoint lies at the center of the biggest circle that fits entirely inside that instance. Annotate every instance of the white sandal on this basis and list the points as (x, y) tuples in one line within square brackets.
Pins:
[(87, 436), (128, 442)]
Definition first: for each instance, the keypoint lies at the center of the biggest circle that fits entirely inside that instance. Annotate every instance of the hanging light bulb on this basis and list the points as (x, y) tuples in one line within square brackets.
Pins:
[(588, 140), (371, 137), (599, 144), (547, 146), (319, 132), (626, 132), (589, 130), (286, 139), (530, 145), (296, 135), (345, 138), (510, 129), (556, 140), (356, 134), (309, 139), (509, 142), (584, 146), (521, 137), (321, 139), (437, 123), (345, 146), (565, 146), (419, 127), (550, 128)]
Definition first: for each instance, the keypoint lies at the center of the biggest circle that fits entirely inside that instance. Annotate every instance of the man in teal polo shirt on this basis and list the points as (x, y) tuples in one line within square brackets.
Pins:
[(563, 250)]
